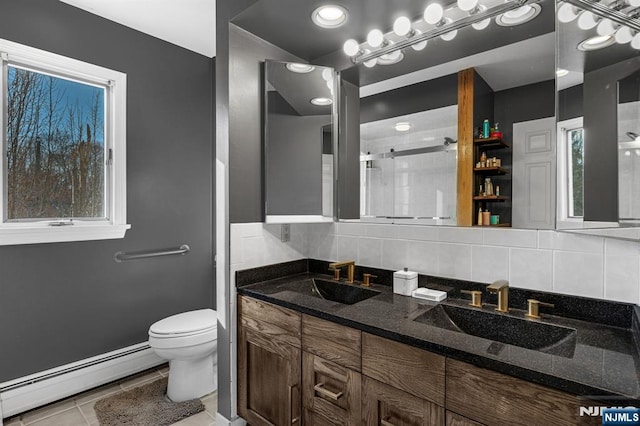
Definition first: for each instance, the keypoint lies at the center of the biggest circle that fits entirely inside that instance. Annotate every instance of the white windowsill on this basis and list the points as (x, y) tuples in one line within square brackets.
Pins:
[(58, 234)]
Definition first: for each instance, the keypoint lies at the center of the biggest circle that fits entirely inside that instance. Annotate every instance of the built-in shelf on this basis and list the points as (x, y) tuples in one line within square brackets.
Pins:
[(490, 198), (490, 143), (491, 170)]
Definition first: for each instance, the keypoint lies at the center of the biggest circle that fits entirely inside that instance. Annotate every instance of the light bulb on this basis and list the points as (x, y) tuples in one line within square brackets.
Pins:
[(635, 42), (606, 27), (451, 34), (371, 63), (419, 46), (375, 38), (587, 20), (485, 22), (433, 14), (624, 35), (402, 26), (467, 5), (634, 3), (327, 74), (567, 13), (351, 47)]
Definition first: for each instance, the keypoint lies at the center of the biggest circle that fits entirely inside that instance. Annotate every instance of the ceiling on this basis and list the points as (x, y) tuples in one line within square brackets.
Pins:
[(190, 24), (294, 32)]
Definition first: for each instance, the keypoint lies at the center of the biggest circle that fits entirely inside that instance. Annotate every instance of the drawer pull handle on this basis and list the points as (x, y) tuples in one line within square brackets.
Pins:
[(322, 391), (386, 422), (296, 419)]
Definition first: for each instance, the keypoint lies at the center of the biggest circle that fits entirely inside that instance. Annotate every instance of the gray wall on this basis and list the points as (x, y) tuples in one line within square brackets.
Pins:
[(349, 152), (423, 96), (293, 149), (63, 302), (246, 183)]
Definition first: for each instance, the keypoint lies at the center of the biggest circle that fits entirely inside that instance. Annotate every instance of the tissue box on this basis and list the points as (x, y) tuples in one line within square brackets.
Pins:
[(404, 282)]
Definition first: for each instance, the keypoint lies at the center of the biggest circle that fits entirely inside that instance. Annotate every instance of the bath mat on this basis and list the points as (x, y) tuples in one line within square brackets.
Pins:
[(144, 406)]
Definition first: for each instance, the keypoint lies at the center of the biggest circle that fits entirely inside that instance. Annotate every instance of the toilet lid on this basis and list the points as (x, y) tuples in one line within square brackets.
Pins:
[(186, 322)]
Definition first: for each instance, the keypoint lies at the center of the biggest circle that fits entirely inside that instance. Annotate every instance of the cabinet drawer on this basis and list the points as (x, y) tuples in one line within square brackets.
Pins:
[(497, 399), (331, 341), (412, 370), (281, 324), (330, 392), (387, 406)]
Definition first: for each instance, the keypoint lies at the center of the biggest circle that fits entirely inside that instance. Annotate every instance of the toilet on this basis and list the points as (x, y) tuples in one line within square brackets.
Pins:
[(189, 342)]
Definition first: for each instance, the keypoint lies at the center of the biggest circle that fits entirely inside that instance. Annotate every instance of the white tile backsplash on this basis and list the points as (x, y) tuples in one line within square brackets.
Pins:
[(489, 264), (579, 274), (621, 278), (511, 237), (369, 252), (532, 269), (539, 260)]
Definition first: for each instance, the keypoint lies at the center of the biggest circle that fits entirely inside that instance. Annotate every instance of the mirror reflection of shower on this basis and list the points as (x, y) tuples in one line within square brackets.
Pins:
[(629, 155), (408, 168)]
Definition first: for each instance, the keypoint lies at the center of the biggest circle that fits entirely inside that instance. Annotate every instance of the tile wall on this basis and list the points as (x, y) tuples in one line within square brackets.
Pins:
[(543, 260)]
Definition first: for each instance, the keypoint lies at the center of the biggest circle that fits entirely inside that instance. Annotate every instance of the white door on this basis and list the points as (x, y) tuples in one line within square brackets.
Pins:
[(534, 174)]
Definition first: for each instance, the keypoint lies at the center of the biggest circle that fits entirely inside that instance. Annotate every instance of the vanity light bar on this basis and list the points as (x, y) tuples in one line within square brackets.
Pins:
[(441, 30), (606, 12)]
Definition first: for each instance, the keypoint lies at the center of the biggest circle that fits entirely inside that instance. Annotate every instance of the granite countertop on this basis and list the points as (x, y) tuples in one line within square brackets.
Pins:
[(602, 360)]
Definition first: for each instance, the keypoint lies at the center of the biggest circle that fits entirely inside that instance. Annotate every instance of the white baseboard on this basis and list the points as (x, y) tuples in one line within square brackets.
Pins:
[(223, 421), (26, 393)]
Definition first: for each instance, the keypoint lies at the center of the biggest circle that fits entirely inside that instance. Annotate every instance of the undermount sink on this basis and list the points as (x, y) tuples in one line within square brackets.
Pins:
[(542, 337), (347, 294)]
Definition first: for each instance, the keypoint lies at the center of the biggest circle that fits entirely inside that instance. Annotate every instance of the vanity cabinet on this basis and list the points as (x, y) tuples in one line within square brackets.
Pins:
[(269, 362), (297, 369), (331, 380)]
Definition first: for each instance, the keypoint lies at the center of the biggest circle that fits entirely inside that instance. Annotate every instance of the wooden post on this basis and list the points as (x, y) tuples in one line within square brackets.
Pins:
[(465, 147)]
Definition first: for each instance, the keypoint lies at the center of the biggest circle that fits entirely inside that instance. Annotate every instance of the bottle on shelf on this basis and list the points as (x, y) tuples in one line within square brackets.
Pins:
[(480, 216), (485, 129)]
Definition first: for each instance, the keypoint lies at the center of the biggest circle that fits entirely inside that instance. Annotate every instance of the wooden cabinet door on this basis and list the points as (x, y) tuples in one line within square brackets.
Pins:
[(330, 393), (268, 380), (387, 406), (454, 419)]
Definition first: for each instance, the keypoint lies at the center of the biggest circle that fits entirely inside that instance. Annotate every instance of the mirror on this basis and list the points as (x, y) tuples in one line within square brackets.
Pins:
[(299, 142), (409, 156), (599, 120), (513, 73)]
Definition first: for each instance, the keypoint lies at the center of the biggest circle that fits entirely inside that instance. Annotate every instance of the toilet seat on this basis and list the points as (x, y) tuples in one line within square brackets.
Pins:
[(185, 329)]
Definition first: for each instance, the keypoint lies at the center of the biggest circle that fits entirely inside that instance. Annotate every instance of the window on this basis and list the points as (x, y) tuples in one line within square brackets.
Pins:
[(570, 171), (63, 140)]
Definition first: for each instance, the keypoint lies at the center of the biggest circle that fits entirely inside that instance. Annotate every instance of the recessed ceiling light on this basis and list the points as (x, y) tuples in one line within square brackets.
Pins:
[(391, 58), (300, 68), (561, 72), (519, 16), (321, 101), (403, 126), (329, 16), (595, 43)]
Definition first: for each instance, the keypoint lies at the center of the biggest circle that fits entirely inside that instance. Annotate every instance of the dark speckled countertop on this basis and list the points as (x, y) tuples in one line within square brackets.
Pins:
[(603, 363)]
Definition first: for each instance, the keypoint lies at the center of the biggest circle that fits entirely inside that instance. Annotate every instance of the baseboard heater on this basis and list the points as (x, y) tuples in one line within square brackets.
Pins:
[(26, 393)]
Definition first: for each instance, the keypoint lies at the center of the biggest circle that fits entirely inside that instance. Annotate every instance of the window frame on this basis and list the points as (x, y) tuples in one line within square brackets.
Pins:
[(115, 83), (564, 172)]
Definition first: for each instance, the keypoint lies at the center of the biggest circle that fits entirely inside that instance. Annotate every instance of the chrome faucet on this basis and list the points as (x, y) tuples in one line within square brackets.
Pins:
[(351, 268), (502, 288)]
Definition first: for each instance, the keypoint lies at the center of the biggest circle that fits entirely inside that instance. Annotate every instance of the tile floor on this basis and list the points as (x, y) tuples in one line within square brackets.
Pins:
[(78, 410)]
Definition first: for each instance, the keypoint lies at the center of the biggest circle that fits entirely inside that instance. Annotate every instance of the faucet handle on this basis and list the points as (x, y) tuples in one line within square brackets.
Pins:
[(336, 273), (366, 278), (476, 297), (533, 310)]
